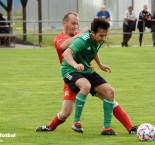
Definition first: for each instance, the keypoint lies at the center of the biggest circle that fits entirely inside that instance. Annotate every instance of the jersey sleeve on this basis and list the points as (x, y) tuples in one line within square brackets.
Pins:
[(108, 14), (77, 45), (98, 14), (58, 41)]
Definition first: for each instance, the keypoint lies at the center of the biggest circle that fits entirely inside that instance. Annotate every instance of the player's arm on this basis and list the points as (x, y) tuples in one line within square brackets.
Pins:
[(67, 42), (102, 67), (69, 59)]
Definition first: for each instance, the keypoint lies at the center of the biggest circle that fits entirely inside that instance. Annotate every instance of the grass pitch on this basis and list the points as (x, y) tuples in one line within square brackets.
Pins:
[(31, 90)]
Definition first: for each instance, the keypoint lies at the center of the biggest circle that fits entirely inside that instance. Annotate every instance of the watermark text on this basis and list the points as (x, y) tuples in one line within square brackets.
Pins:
[(7, 135)]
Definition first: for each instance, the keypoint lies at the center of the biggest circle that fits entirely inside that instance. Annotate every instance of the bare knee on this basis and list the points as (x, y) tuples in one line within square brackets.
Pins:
[(83, 85), (85, 89)]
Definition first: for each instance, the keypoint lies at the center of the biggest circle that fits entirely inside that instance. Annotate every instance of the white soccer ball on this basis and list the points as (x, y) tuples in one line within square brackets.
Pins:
[(146, 132)]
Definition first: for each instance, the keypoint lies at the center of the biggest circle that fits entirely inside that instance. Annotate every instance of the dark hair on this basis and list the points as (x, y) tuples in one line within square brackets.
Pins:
[(66, 16), (99, 23)]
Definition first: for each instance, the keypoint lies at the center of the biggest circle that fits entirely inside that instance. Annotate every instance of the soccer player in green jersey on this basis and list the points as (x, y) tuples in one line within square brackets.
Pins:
[(62, 41), (80, 77)]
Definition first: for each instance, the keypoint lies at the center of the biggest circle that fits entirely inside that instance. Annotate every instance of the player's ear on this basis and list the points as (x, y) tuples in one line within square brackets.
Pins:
[(63, 22), (93, 33)]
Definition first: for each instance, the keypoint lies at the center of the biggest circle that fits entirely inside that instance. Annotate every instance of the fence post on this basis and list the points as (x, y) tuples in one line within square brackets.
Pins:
[(34, 24)]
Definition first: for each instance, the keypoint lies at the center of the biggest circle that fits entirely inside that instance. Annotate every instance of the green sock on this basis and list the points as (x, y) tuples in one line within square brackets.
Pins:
[(79, 104), (108, 111)]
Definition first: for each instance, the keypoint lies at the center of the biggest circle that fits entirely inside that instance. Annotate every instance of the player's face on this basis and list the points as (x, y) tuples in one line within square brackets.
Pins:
[(100, 36), (71, 25)]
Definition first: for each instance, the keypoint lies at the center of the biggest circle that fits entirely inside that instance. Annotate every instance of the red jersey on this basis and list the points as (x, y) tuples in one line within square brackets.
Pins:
[(58, 40)]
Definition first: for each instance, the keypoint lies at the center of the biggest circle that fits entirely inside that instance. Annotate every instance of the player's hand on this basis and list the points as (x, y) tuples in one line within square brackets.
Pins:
[(79, 67), (105, 68)]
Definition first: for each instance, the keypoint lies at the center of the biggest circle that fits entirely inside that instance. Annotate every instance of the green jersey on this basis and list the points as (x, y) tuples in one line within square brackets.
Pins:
[(84, 51)]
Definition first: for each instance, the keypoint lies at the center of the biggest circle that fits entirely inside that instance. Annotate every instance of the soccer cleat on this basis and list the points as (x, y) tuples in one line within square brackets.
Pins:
[(133, 130), (108, 131), (43, 129), (77, 127)]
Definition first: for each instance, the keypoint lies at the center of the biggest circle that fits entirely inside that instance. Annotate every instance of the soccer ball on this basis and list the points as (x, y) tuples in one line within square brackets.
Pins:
[(146, 132)]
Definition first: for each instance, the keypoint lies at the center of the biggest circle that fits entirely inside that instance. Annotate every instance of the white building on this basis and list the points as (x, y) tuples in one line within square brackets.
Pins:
[(53, 10)]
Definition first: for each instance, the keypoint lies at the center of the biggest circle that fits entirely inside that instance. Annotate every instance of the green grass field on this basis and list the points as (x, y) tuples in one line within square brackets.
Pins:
[(31, 91)]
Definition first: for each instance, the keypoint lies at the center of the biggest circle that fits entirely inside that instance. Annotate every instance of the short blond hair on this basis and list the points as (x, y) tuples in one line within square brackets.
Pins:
[(66, 16)]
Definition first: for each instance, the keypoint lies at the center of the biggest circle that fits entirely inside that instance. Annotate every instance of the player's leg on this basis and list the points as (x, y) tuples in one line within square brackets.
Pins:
[(78, 83), (102, 88), (84, 87), (108, 102), (60, 118), (67, 109), (123, 117), (118, 112)]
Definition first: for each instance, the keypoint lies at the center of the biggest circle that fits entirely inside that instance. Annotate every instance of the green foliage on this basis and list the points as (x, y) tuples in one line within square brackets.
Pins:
[(31, 91)]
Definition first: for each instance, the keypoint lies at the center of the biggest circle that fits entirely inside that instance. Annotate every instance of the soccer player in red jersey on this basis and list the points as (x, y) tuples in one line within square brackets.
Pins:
[(62, 41)]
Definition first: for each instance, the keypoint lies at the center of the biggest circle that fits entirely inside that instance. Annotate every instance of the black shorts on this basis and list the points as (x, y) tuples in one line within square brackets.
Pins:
[(93, 78)]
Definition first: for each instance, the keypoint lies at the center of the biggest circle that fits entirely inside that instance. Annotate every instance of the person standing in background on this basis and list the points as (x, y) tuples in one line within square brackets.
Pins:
[(3, 24), (3, 30), (144, 21), (153, 29), (103, 13), (129, 25)]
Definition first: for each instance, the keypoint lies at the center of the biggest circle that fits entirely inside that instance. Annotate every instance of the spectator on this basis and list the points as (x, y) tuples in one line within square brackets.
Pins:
[(144, 21), (153, 29), (3, 30), (104, 13), (3, 23), (129, 25)]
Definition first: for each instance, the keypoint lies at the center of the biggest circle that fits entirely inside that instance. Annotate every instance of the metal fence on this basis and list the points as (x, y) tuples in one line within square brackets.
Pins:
[(53, 28)]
